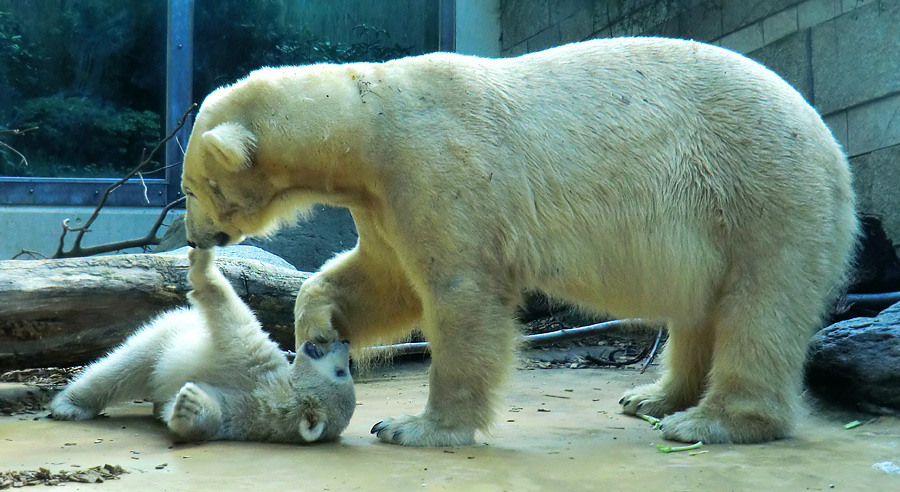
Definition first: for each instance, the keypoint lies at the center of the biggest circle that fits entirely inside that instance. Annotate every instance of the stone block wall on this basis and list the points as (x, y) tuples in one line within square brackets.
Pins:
[(842, 55)]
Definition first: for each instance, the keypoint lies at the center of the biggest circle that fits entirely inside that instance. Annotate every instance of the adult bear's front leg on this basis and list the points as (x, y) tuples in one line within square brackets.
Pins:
[(472, 336), (358, 296)]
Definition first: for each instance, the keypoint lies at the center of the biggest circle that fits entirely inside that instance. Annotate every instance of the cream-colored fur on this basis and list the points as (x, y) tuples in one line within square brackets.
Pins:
[(213, 374), (643, 177)]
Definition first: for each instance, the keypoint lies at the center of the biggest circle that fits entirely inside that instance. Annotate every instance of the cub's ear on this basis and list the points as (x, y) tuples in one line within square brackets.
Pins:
[(312, 424), (232, 145)]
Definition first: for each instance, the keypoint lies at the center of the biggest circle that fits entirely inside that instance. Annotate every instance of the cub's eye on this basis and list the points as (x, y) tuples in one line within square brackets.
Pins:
[(340, 373), (189, 193)]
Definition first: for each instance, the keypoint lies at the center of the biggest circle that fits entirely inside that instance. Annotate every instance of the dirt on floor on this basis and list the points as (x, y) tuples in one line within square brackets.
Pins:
[(557, 429)]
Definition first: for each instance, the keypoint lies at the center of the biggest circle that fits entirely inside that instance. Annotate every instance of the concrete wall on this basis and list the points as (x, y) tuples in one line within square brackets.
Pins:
[(39, 228), (842, 55)]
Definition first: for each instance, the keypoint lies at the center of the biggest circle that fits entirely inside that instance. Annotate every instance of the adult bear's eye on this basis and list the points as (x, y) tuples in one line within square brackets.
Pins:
[(340, 373)]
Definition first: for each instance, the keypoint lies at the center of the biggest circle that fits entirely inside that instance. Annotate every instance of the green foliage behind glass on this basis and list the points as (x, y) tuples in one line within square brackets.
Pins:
[(80, 137)]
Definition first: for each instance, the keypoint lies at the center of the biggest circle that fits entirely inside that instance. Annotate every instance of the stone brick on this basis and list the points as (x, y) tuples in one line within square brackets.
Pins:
[(789, 58), (601, 15), (563, 9), (849, 5), (701, 22), (746, 40), (618, 9), (741, 13), (779, 25), (518, 49), (522, 19), (837, 122), (578, 27), (855, 57), (545, 39), (814, 12), (874, 126), (649, 20), (875, 178)]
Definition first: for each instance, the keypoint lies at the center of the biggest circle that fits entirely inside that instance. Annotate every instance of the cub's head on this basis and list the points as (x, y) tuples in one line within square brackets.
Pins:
[(324, 390)]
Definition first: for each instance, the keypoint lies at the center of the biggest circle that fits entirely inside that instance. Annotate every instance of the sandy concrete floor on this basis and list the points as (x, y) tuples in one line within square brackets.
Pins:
[(558, 430)]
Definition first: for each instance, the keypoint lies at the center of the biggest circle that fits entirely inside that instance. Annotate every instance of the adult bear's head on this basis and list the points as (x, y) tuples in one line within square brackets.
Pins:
[(266, 148)]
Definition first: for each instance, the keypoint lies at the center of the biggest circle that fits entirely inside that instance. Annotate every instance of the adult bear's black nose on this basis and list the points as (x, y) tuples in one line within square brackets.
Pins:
[(192, 244)]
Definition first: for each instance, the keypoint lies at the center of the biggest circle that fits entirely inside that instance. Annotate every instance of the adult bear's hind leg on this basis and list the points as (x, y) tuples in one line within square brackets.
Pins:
[(686, 360), (761, 336)]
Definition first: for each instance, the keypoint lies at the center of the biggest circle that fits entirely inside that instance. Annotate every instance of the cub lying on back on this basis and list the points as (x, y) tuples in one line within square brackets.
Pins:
[(213, 374)]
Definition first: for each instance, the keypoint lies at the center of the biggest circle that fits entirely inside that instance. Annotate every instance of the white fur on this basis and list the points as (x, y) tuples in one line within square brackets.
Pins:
[(213, 374), (643, 177)]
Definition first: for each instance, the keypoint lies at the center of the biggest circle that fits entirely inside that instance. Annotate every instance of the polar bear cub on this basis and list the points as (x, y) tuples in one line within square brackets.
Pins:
[(213, 374)]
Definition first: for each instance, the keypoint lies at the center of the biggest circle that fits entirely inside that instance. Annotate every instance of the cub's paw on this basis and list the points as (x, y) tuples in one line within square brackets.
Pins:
[(63, 409), (195, 415), (649, 399), (202, 266), (410, 430), (701, 424)]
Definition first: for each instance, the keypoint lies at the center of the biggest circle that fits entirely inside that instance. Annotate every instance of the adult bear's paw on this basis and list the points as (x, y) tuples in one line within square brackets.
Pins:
[(419, 430), (649, 399), (719, 426)]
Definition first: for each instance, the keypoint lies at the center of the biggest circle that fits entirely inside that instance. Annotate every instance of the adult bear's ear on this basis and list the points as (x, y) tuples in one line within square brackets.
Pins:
[(232, 145)]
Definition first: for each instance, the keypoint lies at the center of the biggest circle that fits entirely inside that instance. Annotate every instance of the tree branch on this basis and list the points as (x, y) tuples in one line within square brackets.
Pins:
[(150, 239)]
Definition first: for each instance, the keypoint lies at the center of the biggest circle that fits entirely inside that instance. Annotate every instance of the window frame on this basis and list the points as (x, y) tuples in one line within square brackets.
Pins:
[(158, 192)]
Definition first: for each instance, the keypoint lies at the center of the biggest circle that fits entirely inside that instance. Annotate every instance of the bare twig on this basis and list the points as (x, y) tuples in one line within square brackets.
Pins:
[(17, 132), (34, 254), (77, 250), (653, 350), (151, 239)]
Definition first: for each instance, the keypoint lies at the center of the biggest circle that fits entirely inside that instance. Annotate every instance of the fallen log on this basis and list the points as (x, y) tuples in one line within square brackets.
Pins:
[(70, 311)]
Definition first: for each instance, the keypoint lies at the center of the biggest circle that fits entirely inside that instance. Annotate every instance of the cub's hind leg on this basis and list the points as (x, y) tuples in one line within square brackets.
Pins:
[(194, 414), (122, 375)]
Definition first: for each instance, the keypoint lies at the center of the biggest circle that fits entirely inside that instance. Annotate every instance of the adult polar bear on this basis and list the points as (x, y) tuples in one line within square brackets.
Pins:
[(645, 177)]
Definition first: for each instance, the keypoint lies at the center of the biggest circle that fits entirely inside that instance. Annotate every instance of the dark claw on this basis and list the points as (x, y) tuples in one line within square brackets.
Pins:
[(377, 427), (621, 400)]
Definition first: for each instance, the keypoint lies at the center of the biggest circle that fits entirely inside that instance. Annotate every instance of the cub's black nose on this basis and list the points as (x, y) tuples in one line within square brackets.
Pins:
[(311, 350)]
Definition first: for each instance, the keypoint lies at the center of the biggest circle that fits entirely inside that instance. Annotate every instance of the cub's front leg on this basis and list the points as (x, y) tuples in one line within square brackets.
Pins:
[(194, 414)]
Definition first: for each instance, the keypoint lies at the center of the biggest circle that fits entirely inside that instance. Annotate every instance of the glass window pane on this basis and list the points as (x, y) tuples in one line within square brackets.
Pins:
[(83, 82), (231, 40)]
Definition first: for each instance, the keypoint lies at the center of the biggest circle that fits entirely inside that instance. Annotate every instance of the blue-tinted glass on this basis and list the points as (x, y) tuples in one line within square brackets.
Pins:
[(231, 40), (83, 84)]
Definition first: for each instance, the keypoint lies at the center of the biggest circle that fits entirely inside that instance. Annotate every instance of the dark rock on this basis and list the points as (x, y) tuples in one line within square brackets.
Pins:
[(877, 266), (174, 238), (312, 242), (856, 363)]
